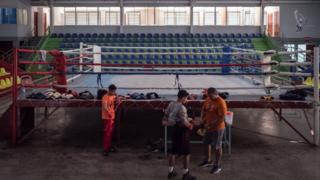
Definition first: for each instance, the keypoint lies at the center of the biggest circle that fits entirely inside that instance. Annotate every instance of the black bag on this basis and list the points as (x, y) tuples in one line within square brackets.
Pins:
[(224, 95), (101, 93), (290, 96), (152, 95), (86, 95), (137, 96), (299, 92)]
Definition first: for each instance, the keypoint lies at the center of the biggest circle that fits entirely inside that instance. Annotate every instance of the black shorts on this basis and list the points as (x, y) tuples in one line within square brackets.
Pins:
[(215, 138), (180, 141)]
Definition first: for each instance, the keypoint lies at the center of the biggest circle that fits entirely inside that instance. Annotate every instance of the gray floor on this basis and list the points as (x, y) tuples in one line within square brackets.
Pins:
[(68, 145)]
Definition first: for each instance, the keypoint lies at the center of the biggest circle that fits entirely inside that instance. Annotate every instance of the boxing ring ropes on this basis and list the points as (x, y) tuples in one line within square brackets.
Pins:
[(60, 64)]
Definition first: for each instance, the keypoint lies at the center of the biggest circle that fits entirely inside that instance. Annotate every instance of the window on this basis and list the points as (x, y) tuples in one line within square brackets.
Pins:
[(112, 18), (169, 18), (8, 16), (221, 13), (109, 15), (290, 48), (133, 18), (234, 16), (93, 18), (181, 18), (70, 16), (208, 18), (173, 16), (302, 55), (249, 16), (206, 15), (82, 18), (196, 18)]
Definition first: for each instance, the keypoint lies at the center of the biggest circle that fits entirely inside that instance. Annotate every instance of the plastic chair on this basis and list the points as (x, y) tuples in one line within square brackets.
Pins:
[(61, 35), (67, 35), (54, 35), (3, 72)]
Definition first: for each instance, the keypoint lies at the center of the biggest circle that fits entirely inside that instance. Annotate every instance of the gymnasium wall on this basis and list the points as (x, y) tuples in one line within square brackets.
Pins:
[(288, 22), (19, 30), (157, 29)]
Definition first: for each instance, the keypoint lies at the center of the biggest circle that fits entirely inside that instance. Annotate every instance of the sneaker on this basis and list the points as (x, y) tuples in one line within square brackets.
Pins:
[(206, 164), (172, 174), (105, 153), (216, 170), (188, 176)]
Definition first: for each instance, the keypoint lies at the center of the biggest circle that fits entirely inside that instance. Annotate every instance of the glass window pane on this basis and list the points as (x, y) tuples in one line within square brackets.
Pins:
[(209, 18), (93, 18), (196, 18), (82, 18), (181, 18), (70, 18), (8, 16), (221, 16)]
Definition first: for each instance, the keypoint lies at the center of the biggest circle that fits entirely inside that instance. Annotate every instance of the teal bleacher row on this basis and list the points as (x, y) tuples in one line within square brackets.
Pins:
[(72, 41), (156, 35)]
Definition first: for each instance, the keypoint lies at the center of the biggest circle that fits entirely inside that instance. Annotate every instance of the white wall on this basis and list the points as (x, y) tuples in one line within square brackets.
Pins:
[(288, 23), (19, 30), (86, 29)]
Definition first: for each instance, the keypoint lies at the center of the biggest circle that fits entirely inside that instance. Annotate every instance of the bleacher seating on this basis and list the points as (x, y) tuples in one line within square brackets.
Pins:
[(72, 41)]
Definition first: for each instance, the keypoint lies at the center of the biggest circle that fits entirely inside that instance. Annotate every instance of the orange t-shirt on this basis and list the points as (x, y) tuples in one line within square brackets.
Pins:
[(212, 110), (108, 107)]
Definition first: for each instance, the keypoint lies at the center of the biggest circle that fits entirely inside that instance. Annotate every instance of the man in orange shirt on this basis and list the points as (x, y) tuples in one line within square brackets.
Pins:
[(108, 117), (213, 113)]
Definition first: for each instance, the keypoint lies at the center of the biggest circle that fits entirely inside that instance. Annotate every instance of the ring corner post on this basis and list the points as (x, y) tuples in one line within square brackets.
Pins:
[(226, 59), (14, 97), (81, 56), (316, 95)]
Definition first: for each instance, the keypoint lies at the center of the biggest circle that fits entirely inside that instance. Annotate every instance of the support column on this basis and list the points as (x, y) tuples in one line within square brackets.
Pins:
[(40, 29), (262, 27), (81, 56), (191, 16), (267, 68), (121, 16), (51, 17), (97, 58), (316, 95)]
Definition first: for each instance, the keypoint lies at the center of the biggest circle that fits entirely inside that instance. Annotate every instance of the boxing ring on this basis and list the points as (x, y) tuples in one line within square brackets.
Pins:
[(235, 67)]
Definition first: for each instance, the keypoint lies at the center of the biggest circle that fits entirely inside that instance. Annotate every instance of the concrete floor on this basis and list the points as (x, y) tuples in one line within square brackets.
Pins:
[(68, 146)]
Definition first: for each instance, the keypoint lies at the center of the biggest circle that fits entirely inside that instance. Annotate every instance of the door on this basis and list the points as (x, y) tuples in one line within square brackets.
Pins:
[(45, 23), (35, 25)]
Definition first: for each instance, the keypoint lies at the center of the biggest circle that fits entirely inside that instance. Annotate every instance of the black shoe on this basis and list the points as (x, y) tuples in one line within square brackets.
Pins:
[(172, 174), (216, 169), (113, 150), (105, 153), (206, 164), (188, 176)]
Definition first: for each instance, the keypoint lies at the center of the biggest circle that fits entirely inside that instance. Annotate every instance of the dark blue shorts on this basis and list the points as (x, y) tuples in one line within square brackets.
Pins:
[(214, 138)]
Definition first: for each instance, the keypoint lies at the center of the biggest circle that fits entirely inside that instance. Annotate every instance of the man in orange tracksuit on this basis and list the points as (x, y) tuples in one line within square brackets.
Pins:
[(214, 110), (108, 117)]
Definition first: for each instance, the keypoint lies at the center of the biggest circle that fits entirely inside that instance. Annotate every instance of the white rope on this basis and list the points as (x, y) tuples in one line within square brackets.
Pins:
[(133, 47), (275, 87), (295, 74), (295, 63)]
